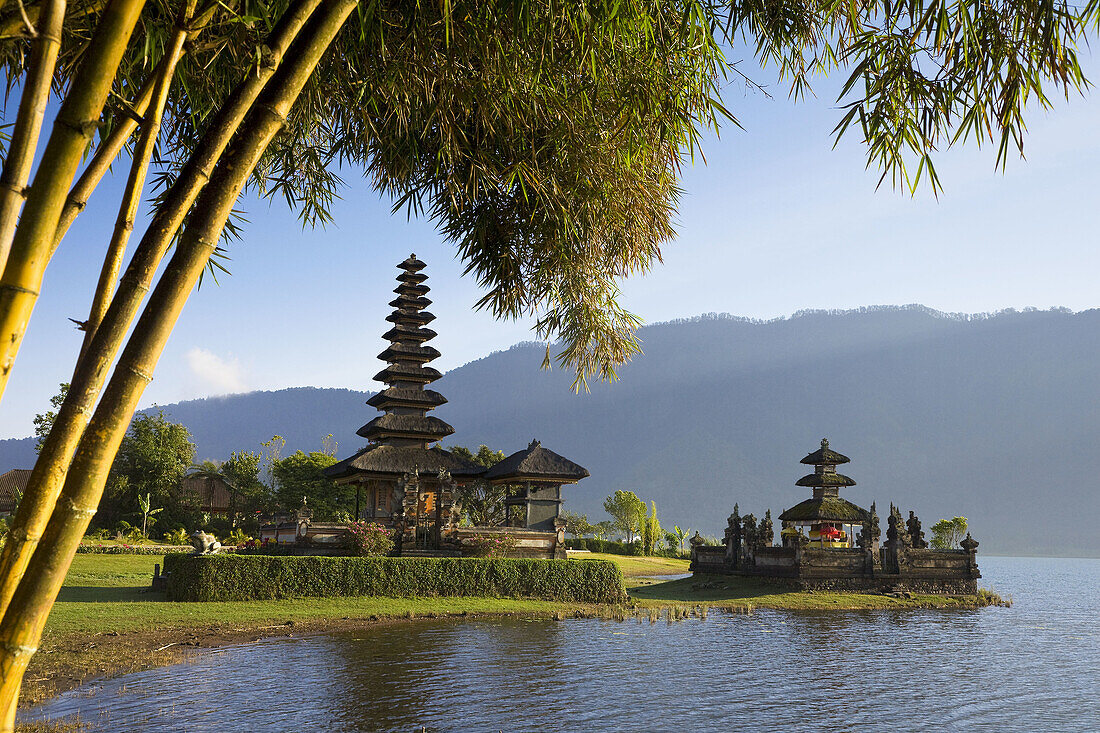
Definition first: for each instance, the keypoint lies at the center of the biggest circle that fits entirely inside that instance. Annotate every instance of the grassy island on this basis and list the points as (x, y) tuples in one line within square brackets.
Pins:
[(106, 622)]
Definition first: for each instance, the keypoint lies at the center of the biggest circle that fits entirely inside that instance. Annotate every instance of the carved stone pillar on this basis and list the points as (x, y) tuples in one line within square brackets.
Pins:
[(406, 495)]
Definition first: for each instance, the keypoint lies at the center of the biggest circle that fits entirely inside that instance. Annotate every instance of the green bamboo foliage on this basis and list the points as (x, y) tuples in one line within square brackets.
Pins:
[(100, 164), (135, 183), (109, 148), (52, 466), (72, 131), (28, 122), (21, 627)]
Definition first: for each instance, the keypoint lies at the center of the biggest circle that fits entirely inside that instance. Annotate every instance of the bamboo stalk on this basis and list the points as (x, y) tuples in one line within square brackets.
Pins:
[(53, 461), (135, 182), (22, 625), (11, 25), (28, 122), (108, 149), (72, 132)]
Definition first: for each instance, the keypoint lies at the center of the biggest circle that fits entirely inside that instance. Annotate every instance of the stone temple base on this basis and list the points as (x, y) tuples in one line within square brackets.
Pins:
[(941, 572)]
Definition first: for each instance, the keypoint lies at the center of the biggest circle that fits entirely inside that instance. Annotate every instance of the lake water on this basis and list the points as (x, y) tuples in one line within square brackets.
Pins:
[(1032, 667)]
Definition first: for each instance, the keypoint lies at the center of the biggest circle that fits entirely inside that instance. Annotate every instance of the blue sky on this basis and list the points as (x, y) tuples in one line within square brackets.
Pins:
[(777, 221)]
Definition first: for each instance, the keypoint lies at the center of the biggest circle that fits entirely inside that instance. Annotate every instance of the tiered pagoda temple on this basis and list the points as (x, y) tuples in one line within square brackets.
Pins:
[(400, 477), (403, 478), (830, 519), (827, 556)]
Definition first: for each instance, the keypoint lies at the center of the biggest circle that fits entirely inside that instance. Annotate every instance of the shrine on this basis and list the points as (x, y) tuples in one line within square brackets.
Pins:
[(405, 480), (819, 549), (829, 519)]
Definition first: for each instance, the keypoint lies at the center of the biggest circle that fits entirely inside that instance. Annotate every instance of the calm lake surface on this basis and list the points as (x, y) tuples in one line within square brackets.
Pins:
[(1035, 666)]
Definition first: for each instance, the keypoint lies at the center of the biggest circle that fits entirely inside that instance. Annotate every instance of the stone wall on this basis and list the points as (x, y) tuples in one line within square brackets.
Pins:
[(530, 543), (708, 559), (849, 569)]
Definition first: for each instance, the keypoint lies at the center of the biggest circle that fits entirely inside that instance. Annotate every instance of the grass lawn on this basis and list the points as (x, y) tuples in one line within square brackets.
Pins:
[(636, 567)]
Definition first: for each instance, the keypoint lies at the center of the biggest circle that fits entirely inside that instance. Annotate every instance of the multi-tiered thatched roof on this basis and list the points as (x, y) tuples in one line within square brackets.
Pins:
[(400, 438), (826, 504)]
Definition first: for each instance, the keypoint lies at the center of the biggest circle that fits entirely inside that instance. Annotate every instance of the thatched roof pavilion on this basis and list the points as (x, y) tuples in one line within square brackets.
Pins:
[(535, 476), (536, 463), (825, 508)]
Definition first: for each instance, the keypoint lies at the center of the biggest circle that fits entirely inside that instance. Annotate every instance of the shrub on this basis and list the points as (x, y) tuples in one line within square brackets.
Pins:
[(236, 537), (177, 537), (369, 539), (608, 546), (266, 547), (491, 545), (89, 549), (264, 577)]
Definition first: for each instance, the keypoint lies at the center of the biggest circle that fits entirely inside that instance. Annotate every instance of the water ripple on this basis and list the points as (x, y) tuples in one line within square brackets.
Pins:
[(1031, 667)]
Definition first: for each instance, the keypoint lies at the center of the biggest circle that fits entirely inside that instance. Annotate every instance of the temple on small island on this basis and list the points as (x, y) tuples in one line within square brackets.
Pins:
[(403, 479), (819, 550)]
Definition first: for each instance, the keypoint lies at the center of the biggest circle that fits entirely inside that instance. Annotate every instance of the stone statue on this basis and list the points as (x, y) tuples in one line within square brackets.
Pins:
[(749, 532), (733, 530), (870, 534), (896, 535), (969, 544), (765, 535), (204, 544), (916, 536)]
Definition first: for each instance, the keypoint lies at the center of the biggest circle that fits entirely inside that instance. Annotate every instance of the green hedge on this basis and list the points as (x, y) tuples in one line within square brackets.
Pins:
[(84, 549), (265, 577)]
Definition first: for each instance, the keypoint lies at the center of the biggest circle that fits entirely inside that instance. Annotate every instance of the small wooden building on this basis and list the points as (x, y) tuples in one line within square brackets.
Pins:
[(12, 484), (211, 494), (537, 475)]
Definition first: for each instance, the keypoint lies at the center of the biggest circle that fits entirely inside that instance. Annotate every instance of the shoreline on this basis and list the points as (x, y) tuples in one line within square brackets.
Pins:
[(72, 660), (106, 625)]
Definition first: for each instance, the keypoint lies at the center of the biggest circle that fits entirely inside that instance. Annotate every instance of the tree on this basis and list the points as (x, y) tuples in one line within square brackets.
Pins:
[(948, 533), (43, 422), (482, 502), (603, 529), (151, 460), (681, 535), (627, 511), (544, 139), (242, 472), (299, 476), (651, 531), (577, 524)]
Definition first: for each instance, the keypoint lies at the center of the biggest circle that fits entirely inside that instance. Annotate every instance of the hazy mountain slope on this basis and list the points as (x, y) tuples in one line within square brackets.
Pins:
[(994, 418)]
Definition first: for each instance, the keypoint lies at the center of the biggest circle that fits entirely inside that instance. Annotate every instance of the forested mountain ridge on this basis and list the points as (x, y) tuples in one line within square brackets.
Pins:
[(992, 417)]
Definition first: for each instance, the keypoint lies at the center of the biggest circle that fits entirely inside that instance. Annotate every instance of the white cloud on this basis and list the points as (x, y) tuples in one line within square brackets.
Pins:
[(214, 374)]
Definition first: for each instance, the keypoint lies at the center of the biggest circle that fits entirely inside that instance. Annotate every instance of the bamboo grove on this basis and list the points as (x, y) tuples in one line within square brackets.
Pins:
[(543, 138)]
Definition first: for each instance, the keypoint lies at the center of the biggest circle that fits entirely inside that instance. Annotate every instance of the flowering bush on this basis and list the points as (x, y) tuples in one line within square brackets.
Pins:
[(369, 539), (265, 547), (491, 545)]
